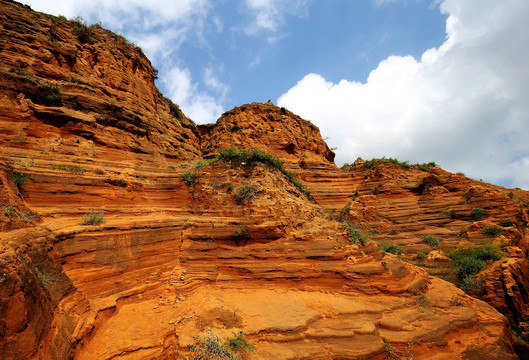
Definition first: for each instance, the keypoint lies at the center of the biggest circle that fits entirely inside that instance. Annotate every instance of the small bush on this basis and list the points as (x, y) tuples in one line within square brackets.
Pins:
[(245, 192), (424, 301), (200, 164), (173, 108), (471, 261), (356, 235), (426, 166), (478, 213), (391, 248), (240, 345), (190, 177), (470, 266), (210, 347), (234, 128), (242, 233), (421, 256), (491, 230), (81, 30), (51, 93), (12, 211), (507, 222), (451, 213), (94, 218), (392, 232), (19, 179), (430, 240)]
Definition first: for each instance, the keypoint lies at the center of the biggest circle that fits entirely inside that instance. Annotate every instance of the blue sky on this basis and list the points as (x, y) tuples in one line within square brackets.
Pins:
[(420, 80)]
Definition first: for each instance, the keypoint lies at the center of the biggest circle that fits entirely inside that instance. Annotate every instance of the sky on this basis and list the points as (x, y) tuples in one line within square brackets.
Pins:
[(417, 80)]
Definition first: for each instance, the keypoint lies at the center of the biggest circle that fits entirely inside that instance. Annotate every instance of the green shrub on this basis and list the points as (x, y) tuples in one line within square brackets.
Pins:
[(19, 179), (491, 230), (200, 164), (356, 235), (478, 213), (190, 177), (12, 211), (81, 30), (210, 347), (392, 232), (391, 248), (244, 192), (51, 94), (346, 209), (426, 166), (173, 108), (507, 222), (242, 233), (430, 240), (234, 128), (255, 155), (471, 261), (421, 256), (451, 213), (240, 345), (470, 266), (94, 218)]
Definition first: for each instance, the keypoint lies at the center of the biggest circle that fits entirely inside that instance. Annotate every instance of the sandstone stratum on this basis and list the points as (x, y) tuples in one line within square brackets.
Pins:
[(128, 232)]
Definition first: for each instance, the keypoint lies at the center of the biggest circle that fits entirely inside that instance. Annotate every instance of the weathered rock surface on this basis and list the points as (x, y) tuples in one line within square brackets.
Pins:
[(174, 259)]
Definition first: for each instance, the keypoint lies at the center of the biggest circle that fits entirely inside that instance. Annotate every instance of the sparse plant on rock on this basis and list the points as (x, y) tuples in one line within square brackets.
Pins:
[(491, 230), (471, 261), (81, 30), (478, 213), (94, 218), (245, 192), (239, 344), (356, 235), (391, 248), (51, 94), (19, 179), (394, 354), (245, 157), (430, 240), (242, 233), (190, 177), (210, 347), (507, 222)]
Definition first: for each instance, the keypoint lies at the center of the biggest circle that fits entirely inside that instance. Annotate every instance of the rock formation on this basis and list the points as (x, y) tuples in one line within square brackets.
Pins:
[(125, 235)]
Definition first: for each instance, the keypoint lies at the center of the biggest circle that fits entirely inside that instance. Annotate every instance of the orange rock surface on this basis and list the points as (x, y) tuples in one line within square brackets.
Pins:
[(238, 247)]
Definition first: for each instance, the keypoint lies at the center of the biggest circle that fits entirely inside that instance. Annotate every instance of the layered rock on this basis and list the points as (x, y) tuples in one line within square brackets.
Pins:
[(117, 243)]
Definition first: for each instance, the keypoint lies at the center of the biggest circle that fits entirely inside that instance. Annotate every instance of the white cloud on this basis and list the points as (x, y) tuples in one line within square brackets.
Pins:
[(464, 105), (197, 105), (268, 15)]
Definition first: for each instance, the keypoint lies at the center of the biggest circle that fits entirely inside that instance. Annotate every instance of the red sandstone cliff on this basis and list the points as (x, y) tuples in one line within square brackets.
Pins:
[(175, 258)]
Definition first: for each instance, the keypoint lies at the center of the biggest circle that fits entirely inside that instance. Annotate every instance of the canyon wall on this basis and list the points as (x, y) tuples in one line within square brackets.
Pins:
[(124, 234)]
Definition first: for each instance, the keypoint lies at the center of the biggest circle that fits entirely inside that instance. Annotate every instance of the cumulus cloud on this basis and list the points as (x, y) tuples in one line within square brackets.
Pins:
[(464, 104), (197, 105)]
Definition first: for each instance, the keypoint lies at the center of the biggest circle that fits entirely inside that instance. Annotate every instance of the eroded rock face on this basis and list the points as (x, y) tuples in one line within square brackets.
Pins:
[(270, 128), (235, 248)]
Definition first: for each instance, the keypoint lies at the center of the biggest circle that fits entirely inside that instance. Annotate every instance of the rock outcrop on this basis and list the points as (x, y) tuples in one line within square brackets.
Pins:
[(124, 236)]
